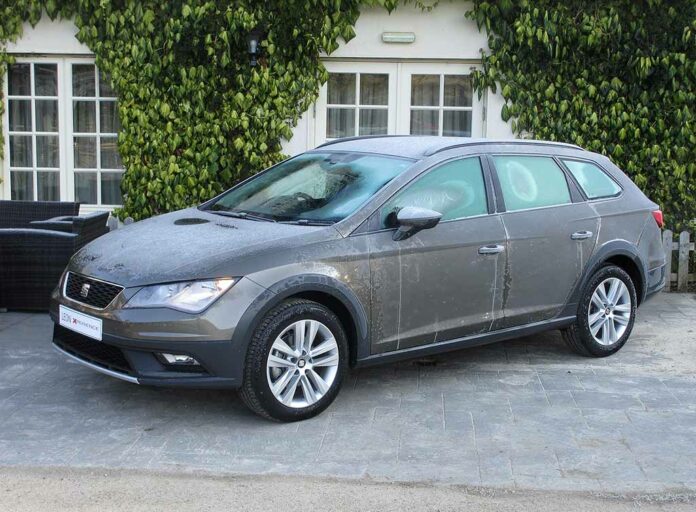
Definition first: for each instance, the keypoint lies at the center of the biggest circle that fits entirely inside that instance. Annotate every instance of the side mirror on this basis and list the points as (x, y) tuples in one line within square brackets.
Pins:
[(412, 219)]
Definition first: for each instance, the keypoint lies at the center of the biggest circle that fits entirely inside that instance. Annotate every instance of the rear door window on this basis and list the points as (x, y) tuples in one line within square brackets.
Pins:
[(531, 182), (592, 180)]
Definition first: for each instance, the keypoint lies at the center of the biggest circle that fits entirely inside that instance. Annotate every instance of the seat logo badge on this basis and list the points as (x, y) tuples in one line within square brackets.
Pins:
[(85, 290)]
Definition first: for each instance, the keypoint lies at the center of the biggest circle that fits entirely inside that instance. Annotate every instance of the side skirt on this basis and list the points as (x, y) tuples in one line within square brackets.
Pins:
[(466, 342)]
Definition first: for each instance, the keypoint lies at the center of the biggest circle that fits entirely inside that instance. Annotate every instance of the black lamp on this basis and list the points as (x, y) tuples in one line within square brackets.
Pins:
[(253, 43)]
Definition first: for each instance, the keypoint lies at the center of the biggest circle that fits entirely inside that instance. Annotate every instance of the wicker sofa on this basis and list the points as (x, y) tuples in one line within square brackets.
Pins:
[(34, 254)]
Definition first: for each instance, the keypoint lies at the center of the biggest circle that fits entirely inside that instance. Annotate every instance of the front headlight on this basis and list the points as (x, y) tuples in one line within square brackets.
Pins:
[(188, 296)]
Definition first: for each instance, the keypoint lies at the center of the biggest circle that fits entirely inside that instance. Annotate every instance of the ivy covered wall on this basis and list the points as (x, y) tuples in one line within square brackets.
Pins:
[(614, 76)]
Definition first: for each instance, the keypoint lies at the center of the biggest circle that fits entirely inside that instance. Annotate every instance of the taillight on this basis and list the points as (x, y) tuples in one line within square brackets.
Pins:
[(657, 214)]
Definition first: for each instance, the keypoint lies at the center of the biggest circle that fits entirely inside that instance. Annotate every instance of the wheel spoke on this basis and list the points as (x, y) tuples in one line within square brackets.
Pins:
[(612, 331), (623, 308), (308, 390), (319, 382), (311, 335), (594, 317), (605, 333), (621, 319), (330, 360), (283, 347), (289, 393), (594, 328), (323, 347), (614, 288), (282, 382), (597, 301), (601, 293), (278, 362), (299, 330)]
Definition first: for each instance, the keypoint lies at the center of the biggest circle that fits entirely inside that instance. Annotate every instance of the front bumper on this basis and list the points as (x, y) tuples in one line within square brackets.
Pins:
[(137, 361), (134, 339)]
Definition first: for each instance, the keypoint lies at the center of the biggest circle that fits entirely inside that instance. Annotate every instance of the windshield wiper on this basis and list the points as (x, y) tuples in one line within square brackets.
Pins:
[(309, 222), (241, 215)]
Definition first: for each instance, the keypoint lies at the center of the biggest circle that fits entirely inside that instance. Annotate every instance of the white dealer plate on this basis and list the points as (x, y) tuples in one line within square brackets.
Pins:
[(79, 322)]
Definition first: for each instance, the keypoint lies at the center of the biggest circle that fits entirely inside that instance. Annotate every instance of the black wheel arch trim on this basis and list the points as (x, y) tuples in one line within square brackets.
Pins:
[(297, 285), (599, 257)]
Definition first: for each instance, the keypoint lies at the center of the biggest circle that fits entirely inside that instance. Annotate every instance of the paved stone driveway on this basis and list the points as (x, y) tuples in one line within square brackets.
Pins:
[(524, 414)]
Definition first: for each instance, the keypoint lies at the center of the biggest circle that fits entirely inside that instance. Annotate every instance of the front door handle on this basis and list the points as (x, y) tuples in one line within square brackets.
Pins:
[(491, 249), (581, 235)]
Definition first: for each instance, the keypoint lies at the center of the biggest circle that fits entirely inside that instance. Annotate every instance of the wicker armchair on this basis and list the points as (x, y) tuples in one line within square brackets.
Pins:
[(19, 214), (33, 259)]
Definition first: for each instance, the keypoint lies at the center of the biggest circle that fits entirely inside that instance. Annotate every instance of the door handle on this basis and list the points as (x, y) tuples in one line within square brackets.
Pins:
[(491, 249), (581, 235)]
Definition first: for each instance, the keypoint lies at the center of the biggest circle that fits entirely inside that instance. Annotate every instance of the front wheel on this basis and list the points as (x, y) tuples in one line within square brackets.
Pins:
[(606, 314), (296, 362)]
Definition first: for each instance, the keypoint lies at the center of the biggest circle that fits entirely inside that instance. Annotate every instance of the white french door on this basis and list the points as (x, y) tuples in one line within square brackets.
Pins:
[(375, 98), (60, 130)]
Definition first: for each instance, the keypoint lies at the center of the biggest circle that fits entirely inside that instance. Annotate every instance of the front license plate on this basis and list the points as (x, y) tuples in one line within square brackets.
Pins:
[(79, 322)]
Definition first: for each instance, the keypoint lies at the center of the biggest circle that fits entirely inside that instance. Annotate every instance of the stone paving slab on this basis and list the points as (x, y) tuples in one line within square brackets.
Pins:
[(523, 414)]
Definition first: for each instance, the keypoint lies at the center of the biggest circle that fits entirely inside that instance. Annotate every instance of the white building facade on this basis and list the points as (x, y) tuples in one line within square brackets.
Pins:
[(407, 72)]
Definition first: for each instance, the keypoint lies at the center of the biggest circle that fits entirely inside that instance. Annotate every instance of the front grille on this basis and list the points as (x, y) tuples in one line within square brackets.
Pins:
[(99, 293), (93, 351)]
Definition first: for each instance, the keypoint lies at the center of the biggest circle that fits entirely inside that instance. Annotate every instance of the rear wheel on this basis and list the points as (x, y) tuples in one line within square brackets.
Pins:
[(296, 362), (606, 314)]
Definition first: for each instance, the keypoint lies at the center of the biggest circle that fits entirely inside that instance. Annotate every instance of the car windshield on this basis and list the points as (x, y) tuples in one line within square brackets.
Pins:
[(313, 188)]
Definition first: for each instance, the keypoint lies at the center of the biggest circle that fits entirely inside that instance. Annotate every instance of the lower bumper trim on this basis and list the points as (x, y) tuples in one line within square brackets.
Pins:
[(97, 368)]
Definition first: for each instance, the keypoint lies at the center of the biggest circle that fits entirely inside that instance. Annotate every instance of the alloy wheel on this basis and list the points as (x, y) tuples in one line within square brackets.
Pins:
[(610, 311), (302, 363)]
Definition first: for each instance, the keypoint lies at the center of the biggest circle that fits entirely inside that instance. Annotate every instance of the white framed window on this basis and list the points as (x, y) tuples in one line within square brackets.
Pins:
[(94, 162), (357, 100), (33, 155), (418, 98), (60, 130), (441, 104)]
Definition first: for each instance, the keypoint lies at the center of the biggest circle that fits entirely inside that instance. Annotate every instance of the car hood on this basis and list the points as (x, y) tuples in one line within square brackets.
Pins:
[(191, 244)]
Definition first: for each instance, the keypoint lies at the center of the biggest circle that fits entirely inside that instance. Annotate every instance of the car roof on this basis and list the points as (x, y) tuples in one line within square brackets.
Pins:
[(420, 146)]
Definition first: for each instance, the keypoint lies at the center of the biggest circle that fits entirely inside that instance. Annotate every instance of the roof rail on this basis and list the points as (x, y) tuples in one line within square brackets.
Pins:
[(359, 137), (440, 149)]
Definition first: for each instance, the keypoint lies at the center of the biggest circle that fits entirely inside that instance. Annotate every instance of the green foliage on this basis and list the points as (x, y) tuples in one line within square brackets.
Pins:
[(196, 117), (615, 76)]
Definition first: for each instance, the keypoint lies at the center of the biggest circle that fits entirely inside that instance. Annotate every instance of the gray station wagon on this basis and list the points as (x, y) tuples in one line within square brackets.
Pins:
[(363, 251)]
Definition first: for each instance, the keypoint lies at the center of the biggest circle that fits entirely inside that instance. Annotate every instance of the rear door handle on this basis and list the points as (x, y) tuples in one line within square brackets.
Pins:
[(581, 235), (491, 249)]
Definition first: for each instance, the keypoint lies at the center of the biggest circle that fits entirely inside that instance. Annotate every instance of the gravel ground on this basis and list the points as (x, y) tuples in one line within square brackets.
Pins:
[(74, 490)]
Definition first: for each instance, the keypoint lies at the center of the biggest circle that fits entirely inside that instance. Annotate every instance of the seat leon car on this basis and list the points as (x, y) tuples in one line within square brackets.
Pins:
[(363, 251)]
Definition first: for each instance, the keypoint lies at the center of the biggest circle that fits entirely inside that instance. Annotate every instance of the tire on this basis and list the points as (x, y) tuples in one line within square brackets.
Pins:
[(278, 372), (621, 314)]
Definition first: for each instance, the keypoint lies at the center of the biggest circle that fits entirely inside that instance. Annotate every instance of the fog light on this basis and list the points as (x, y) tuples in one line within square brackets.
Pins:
[(180, 359)]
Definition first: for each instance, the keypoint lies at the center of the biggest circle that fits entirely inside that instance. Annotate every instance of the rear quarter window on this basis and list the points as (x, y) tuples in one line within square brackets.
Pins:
[(592, 180)]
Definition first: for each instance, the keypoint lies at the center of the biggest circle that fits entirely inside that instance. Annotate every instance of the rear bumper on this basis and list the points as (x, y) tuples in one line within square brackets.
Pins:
[(655, 282), (139, 362)]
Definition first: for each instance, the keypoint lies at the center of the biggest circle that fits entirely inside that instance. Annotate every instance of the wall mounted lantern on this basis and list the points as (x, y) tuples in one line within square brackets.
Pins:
[(253, 46)]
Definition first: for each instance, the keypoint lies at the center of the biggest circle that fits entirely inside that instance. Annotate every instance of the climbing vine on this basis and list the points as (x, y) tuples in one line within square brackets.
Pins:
[(614, 76)]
